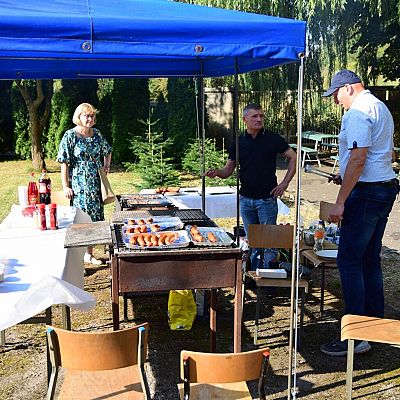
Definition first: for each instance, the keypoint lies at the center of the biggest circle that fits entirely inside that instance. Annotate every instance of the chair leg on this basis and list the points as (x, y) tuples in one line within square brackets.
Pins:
[(125, 307), (349, 374), (257, 317), (322, 290), (66, 317), (302, 300)]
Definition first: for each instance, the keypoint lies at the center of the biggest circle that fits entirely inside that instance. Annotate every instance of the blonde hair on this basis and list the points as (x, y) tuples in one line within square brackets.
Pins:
[(83, 108)]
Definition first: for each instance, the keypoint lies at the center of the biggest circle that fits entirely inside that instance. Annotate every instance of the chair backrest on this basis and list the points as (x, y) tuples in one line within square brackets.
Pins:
[(97, 351), (58, 197), (325, 210), (223, 368), (270, 236)]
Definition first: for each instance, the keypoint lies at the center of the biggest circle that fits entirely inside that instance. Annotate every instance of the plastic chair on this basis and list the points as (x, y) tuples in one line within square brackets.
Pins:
[(272, 236), (222, 376), (358, 327), (99, 365)]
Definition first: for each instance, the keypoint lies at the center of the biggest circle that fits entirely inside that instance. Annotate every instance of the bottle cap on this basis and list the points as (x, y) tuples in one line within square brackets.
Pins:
[(41, 205), (53, 205)]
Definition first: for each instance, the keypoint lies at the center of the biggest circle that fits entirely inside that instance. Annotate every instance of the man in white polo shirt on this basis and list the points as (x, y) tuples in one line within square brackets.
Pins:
[(365, 199)]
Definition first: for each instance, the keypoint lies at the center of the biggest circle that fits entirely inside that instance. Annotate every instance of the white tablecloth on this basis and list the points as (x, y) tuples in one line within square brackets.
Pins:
[(220, 200), (39, 271)]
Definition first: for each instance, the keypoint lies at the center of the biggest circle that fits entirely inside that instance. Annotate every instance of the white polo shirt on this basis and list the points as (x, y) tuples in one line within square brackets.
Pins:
[(368, 123)]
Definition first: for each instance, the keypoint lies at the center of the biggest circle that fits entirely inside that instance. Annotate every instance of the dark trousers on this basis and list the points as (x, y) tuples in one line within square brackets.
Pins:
[(364, 220)]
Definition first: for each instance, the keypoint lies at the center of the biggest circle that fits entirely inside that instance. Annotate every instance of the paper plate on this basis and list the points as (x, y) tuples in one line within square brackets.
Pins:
[(327, 253)]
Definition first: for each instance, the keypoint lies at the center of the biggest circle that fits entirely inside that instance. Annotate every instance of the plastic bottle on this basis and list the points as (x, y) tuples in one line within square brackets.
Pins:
[(319, 235), (33, 193), (42, 217), (53, 216), (44, 188)]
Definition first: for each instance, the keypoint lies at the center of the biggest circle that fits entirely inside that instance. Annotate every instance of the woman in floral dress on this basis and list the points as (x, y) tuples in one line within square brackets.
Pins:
[(83, 150)]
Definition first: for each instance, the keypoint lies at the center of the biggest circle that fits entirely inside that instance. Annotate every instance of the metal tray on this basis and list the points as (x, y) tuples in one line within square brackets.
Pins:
[(183, 240), (164, 223), (223, 238)]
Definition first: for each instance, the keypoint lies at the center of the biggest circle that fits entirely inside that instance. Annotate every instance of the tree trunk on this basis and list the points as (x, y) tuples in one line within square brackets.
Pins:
[(39, 112)]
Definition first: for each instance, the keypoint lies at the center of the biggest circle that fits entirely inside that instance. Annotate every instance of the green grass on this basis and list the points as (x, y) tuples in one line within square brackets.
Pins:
[(17, 173)]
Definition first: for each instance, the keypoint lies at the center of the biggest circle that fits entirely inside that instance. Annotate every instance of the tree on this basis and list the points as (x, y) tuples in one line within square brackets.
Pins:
[(68, 94), (154, 167), (6, 121), (38, 104), (130, 103), (181, 115)]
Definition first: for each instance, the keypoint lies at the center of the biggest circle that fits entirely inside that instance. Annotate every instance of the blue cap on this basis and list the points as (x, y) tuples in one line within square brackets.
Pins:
[(341, 79)]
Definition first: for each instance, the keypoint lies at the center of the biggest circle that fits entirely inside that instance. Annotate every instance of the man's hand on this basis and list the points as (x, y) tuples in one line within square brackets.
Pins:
[(211, 173), (336, 214), (336, 179), (278, 191)]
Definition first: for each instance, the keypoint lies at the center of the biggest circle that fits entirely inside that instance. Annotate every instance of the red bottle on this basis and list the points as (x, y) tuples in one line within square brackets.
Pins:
[(44, 188), (53, 216), (42, 217), (33, 193)]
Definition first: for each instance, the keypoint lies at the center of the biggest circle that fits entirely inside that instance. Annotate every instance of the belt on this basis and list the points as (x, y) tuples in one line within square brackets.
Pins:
[(391, 183)]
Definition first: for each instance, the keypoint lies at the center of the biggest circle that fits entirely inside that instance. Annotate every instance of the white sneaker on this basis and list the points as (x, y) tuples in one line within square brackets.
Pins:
[(89, 259)]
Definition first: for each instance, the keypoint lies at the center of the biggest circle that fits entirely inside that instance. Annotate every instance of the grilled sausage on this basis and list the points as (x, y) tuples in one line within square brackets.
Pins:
[(211, 237), (140, 241)]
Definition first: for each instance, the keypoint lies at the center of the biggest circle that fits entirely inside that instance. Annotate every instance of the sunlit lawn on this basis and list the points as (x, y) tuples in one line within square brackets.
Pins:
[(16, 173)]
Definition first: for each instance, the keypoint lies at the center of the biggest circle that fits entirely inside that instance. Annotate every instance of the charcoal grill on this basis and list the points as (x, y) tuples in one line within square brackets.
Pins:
[(152, 270)]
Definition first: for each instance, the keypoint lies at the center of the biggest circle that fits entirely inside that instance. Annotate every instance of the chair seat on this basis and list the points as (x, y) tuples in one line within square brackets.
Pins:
[(276, 282), (358, 327), (123, 383), (223, 391)]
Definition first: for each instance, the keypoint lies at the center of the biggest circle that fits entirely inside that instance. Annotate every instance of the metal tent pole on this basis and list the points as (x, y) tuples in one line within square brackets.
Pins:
[(294, 296), (203, 140), (236, 133)]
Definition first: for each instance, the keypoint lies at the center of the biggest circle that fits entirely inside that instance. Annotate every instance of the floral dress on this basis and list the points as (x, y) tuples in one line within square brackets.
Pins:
[(83, 157)]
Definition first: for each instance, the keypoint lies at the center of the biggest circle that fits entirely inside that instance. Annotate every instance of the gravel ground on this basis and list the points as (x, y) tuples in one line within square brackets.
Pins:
[(376, 373)]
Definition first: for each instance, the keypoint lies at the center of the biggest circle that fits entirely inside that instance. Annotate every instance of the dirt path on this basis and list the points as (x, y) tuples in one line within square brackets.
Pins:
[(22, 360)]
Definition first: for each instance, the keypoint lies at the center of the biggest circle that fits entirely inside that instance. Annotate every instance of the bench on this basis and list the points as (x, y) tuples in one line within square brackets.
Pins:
[(308, 152), (372, 329)]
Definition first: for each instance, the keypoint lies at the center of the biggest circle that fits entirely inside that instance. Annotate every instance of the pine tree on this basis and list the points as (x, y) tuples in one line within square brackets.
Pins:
[(153, 167)]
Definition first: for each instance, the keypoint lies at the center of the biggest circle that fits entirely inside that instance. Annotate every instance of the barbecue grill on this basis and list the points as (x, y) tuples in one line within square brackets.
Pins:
[(150, 270)]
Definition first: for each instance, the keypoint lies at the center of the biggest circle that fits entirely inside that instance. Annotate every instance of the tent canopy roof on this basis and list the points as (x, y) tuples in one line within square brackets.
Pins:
[(136, 38)]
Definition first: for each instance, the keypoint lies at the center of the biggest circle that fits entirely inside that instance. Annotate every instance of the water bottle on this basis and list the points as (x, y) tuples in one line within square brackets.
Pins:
[(319, 235)]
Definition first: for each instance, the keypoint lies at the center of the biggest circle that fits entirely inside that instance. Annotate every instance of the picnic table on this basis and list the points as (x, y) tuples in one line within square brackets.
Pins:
[(319, 138), (220, 201), (40, 272)]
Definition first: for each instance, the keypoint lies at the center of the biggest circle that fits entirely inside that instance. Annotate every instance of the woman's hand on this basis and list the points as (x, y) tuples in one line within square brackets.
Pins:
[(68, 192), (106, 169)]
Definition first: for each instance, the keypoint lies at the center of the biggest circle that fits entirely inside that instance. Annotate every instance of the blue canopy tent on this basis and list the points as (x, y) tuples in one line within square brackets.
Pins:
[(128, 38), (146, 38)]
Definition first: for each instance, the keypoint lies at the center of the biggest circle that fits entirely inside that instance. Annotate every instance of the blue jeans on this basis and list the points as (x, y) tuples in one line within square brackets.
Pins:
[(364, 220), (259, 211)]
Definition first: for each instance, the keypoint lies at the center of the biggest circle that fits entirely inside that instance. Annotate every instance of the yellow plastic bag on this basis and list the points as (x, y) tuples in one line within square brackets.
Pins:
[(181, 310)]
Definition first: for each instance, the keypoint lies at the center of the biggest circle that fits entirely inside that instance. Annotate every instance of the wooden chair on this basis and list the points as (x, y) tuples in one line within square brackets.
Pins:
[(272, 236), (222, 376), (321, 263), (358, 327), (99, 365), (58, 197)]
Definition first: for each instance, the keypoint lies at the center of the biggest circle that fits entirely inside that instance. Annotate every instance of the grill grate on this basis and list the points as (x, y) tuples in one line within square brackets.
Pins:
[(186, 216)]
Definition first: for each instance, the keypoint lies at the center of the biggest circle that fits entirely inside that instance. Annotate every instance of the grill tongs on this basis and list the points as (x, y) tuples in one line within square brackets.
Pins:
[(331, 177)]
